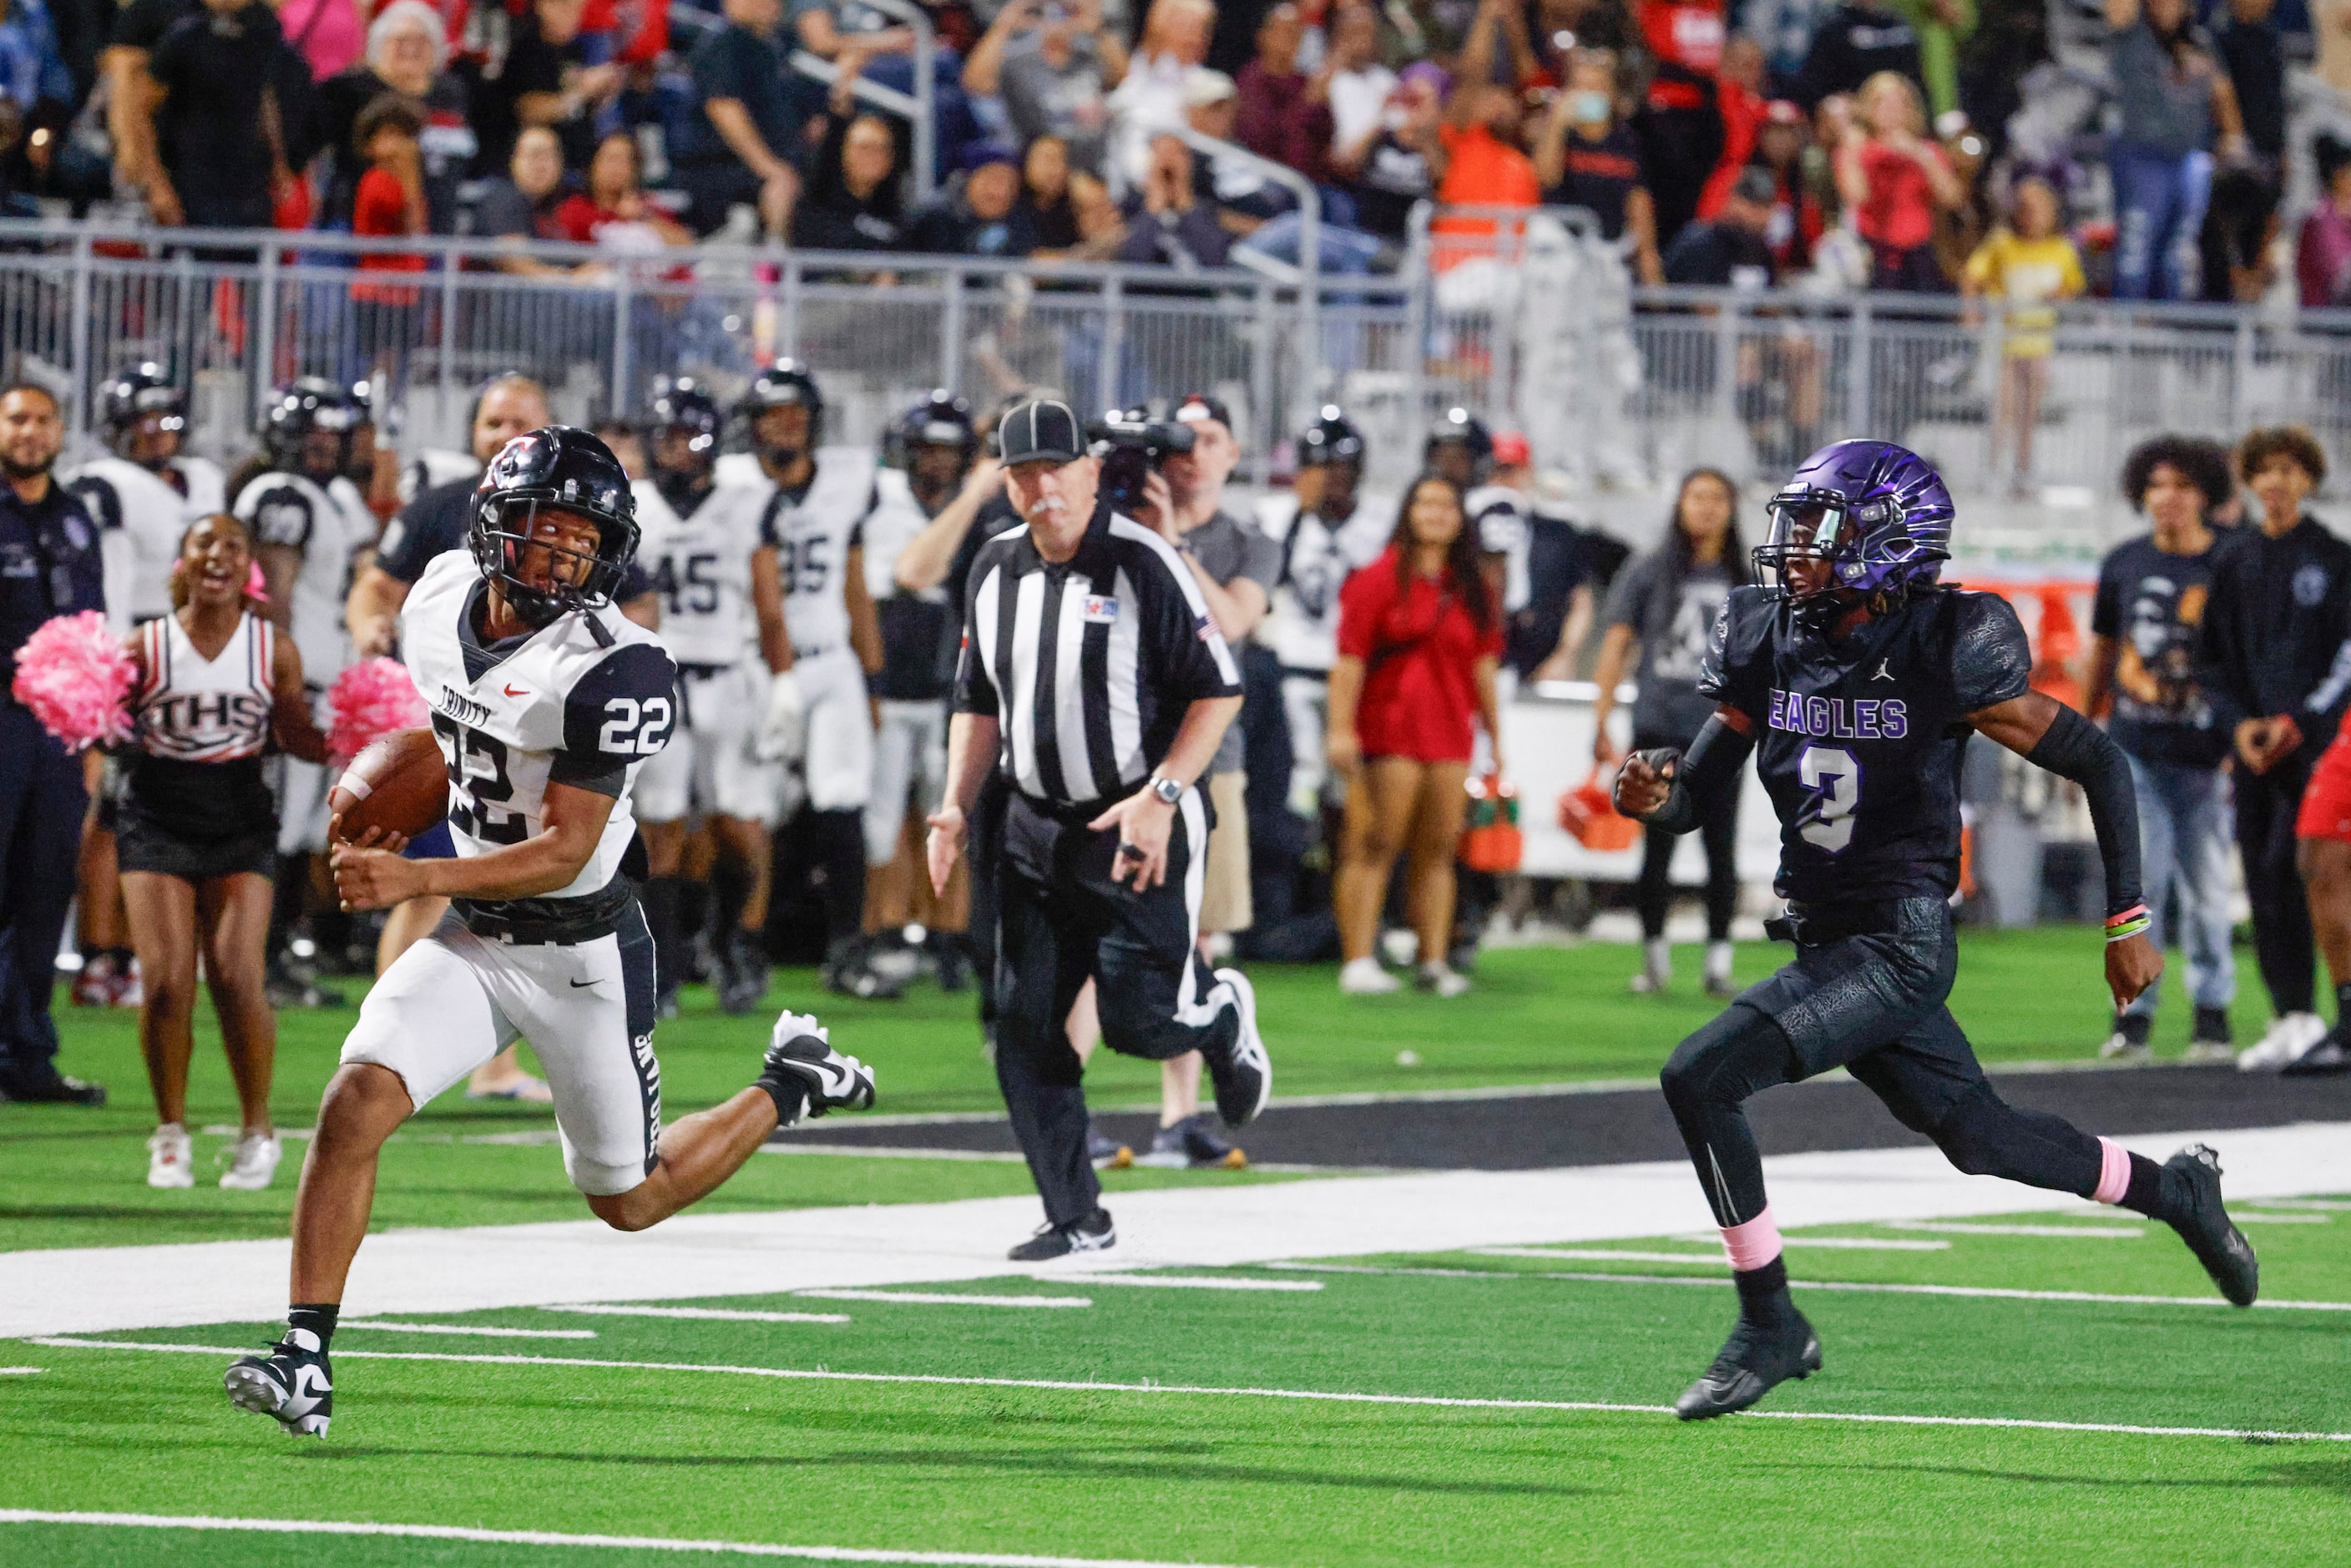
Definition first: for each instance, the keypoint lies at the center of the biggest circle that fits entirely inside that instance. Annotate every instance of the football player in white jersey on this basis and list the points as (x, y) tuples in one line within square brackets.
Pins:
[(310, 524), (722, 619), (814, 526), (547, 703), (1330, 531), (926, 455), (142, 495)]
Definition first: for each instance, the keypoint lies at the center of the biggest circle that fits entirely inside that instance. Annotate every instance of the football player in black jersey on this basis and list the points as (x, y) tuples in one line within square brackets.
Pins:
[(1857, 679)]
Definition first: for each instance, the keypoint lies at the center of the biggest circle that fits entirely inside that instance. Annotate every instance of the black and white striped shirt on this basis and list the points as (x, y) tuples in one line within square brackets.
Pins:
[(1090, 664)]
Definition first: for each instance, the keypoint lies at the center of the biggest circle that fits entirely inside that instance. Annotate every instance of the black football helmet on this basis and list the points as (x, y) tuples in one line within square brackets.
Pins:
[(683, 405), (312, 405), (1459, 425), (142, 393), (942, 419), (786, 383), (1331, 438), (563, 469)]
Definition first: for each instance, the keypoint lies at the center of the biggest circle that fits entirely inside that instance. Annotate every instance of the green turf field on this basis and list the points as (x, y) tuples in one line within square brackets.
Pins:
[(1540, 1015), (1217, 1446)]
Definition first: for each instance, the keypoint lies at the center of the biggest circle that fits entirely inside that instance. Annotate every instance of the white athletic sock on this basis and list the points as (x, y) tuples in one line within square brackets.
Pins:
[(1717, 960), (1657, 958)]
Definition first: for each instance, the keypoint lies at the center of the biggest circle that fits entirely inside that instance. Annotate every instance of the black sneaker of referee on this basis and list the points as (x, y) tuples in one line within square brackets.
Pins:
[(1243, 1074), (1091, 1234)]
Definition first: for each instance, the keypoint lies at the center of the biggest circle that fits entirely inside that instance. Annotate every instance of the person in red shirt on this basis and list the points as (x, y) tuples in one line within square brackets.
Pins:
[(388, 200), (1895, 180), (1420, 636), (615, 201)]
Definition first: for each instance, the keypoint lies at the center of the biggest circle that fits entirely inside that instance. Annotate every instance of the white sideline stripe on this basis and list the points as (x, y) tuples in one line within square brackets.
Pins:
[(549, 1538), (1180, 1281), (481, 1331), (2000, 1291), (719, 1314), (719, 1259), (1605, 1254), (946, 1299), (20, 1371), (2335, 1205), (1311, 1395), (2257, 1218), (1961, 1227)]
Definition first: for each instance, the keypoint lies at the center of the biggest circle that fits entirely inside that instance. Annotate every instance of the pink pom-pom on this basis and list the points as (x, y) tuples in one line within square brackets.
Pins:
[(256, 587), (74, 675), (372, 698)]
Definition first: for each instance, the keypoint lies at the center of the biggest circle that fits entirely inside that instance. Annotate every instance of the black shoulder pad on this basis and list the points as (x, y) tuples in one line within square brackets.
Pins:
[(1739, 647), (1991, 660), (100, 497)]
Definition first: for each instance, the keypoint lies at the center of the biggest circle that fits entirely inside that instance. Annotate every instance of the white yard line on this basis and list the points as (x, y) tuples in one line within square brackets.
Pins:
[(21, 1371), (715, 1314), (2335, 1204), (2000, 1292), (549, 1538), (946, 1299), (1185, 1281), (1606, 1255), (431, 1273), (2241, 1217), (478, 1331), (1306, 1395), (1962, 1227)]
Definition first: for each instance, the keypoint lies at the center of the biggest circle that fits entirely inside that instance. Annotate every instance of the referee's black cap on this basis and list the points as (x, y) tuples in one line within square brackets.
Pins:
[(1041, 430)]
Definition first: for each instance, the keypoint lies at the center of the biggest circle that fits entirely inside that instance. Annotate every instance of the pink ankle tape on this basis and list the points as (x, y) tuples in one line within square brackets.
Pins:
[(2114, 1172), (1753, 1244)]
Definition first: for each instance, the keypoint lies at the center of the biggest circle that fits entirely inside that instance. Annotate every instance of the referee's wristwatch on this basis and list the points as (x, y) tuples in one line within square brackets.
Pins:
[(1168, 790)]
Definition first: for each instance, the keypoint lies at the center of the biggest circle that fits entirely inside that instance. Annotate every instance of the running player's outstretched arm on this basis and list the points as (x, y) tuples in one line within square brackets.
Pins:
[(1667, 788), (552, 859), (2048, 734)]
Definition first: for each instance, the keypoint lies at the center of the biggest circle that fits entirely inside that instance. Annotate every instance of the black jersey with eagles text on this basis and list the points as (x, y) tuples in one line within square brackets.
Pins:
[(1859, 737)]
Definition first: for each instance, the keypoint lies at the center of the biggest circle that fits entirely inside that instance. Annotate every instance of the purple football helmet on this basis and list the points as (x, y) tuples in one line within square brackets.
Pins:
[(1875, 515)]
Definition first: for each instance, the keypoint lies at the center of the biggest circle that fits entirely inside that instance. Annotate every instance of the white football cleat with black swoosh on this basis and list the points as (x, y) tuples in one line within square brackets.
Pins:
[(799, 1051)]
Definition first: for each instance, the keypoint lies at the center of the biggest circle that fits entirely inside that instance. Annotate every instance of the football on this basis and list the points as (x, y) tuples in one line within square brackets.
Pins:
[(398, 783)]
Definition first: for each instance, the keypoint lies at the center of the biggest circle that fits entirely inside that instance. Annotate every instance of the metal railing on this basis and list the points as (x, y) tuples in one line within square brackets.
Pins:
[(1545, 332)]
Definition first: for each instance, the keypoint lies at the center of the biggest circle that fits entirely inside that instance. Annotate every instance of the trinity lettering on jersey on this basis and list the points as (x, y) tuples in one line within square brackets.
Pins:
[(1840, 718)]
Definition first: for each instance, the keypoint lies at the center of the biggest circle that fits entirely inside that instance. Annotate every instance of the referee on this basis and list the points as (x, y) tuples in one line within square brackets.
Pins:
[(1092, 677)]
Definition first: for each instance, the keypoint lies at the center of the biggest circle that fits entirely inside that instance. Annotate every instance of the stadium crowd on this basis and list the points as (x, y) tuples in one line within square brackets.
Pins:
[(1378, 635), (2166, 149)]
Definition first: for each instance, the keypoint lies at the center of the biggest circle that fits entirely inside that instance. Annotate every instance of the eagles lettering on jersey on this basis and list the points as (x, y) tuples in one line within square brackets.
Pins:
[(140, 514), (700, 564), (812, 534), (565, 706), (1859, 739), (328, 525)]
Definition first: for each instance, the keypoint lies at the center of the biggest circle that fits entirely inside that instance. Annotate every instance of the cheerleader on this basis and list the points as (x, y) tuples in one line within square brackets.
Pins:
[(198, 836)]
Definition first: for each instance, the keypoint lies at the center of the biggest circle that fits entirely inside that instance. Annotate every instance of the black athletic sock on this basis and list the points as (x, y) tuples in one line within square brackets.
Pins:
[(789, 1091), (2213, 1025), (1763, 1292), (693, 911), (2154, 1190), (730, 887), (318, 1317), (839, 844), (661, 918), (2135, 1028), (2343, 1007)]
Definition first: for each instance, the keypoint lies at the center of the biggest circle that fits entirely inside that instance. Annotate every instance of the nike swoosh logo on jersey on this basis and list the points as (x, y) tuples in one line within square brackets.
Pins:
[(579, 985), (512, 693)]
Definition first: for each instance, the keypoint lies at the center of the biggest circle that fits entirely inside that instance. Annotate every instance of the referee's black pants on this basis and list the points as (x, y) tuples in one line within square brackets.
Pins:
[(2267, 805), (1063, 921), (41, 806)]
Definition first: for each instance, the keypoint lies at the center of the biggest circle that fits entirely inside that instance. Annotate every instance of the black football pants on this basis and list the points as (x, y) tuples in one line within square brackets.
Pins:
[(1871, 1002), (2267, 804), (1060, 922)]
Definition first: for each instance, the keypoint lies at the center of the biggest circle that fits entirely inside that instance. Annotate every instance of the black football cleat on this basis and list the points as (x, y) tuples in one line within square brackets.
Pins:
[(1756, 1358), (799, 1051), (1244, 1073), (1092, 1234), (2205, 1226), (743, 974), (291, 1382)]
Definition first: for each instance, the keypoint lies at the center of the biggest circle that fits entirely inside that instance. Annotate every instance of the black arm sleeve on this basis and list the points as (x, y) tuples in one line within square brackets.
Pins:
[(1702, 778), (2073, 747)]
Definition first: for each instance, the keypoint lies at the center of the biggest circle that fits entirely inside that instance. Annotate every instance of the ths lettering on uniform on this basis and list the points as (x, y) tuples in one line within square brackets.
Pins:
[(217, 710), (1840, 718)]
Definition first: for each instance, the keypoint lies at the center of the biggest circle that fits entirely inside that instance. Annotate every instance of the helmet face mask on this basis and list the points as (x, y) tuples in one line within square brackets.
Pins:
[(778, 439), (543, 496), (144, 416), (309, 427), (1461, 448), (683, 426), (1861, 520), (934, 443)]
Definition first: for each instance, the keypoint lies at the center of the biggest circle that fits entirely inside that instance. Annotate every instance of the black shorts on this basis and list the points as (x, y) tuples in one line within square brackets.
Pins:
[(140, 845), (1871, 1001)]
